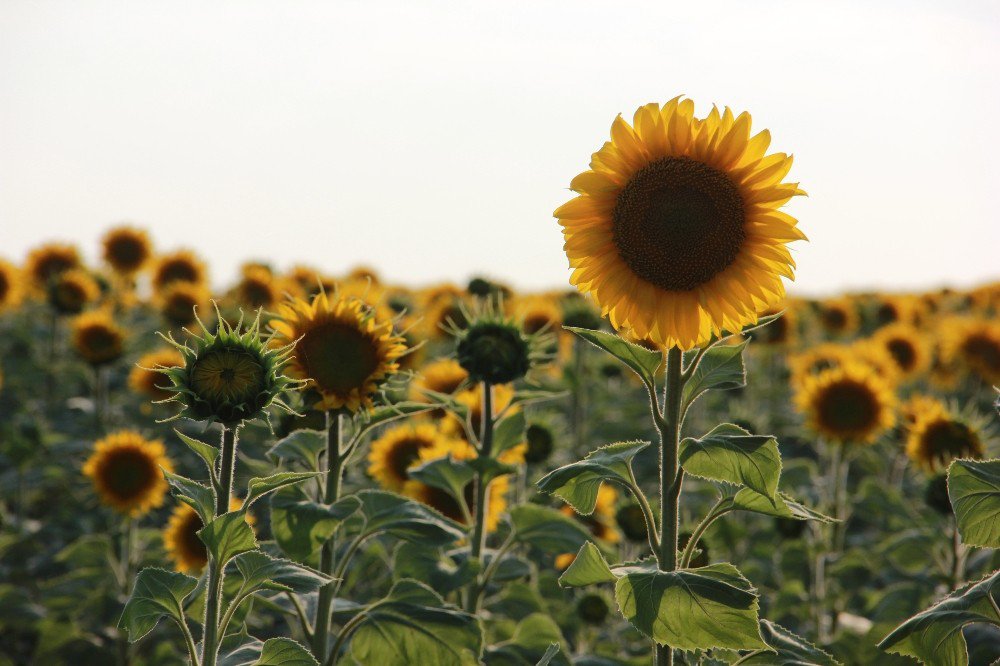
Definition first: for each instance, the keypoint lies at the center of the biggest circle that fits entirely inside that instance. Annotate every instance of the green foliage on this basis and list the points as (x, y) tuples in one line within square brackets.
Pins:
[(974, 489), (156, 594), (260, 571), (194, 494), (730, 454), (228, 536), (301, 526), (641, 361), (258, 487), (579, 483), (206, 452), (721, 368), (792, 650), (547, 529), (387, 513)]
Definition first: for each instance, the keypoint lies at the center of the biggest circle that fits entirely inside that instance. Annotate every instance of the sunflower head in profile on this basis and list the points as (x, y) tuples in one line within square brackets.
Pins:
[(44, 263), (974, 344), (179, 301), (838, 317), (850, 404), (11, 286), (677, 232), (72, 291), (96, 338), (178, 266), (229, 376), (147, 380), (125, 469), (341, 349), (181, 541), (399, 448), (495, 348), (909, 349), (939, 435), (918, 405), (126, 249)]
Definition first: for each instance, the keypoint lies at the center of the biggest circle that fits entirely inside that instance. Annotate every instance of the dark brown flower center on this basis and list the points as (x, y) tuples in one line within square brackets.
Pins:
[(848, 407), (944, 440), (982, 350), (678, 222), (128, 473), (834, 319), (100, 343), (337, 356), (403, 454), (126, 253), (190, 544), (177, 270), (903, 353)]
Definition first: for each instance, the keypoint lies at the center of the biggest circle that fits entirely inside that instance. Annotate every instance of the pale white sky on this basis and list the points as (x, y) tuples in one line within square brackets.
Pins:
[(433, 140)]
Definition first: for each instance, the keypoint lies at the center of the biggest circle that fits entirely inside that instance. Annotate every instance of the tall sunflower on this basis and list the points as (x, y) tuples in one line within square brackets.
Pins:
[(939, 435), (848, 404), (341, 349), (125, 469), (676, 231), (11, 286), (399, 448), (126, 249), (97, 338)]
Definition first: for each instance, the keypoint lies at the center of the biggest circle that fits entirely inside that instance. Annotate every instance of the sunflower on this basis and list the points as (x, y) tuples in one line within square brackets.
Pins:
[(127, 250), (847, 404), (444, 375), (975, 344), (11, 286), (538, 313), (917, 405), (146, 380), (97, 338), (676, 231), (73, 290), (907, 347), (181, 540), (257, 288), (938, 436), (398, 448), (838, 317), (341, 350), (870, 353), (46, 262), (179, 266), (891, 309), (443, 314), (179, 301), (125, 469), (817, 359)]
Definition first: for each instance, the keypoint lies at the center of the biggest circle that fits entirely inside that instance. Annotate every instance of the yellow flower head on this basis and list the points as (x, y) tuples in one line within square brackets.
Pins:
[(97, 338), (179, 266), (341, 349), (73, 290), (179, 301), (975, 345), (146, 380), (781, 331), (399, 448), (472, 399), (46, 262), (11, 286), (676, 231), (908, 348), (938, 436), (849, 404), (816, 359), (444, 375), (538, 313), (127, 249), (181, 541), (916, 406), (125, 471), (838, 317), (257, 289)]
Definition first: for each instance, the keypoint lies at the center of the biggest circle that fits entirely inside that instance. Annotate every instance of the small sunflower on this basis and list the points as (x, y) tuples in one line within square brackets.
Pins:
[(870, 353), (838, 317), (891, 309), (72, 291), (538, 313), (907, 347), (125, 469), (939, 435), (340, 349), (46, 262), (676, 231), (441, 315), (127, 250), (179, 266), (399, 448), (495, 348), (145, 378), (97, 338), (11, 286), (816, 359), (444, 375), (179, 301), (975, 344), (181, 540), (849, 404), (257, 289)]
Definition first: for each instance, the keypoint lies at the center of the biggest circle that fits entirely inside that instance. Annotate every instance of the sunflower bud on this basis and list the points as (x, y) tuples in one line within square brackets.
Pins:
[(494, 351), (592, 608), (936, 494), (540, 441), (579, 313), (631, 521)]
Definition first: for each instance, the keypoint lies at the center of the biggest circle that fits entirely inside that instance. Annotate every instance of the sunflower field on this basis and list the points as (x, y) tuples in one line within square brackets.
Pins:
[(670, 461)]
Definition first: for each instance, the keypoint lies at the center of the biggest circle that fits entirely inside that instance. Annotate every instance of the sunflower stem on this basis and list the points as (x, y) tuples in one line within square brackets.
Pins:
[(331, 493), (478, 542), (213, 604)]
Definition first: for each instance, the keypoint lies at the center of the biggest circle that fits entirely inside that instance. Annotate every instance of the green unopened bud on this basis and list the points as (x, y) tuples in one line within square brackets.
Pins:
[(495, 352), (592, 608), (540, 443), (631, 521), (936, 494)]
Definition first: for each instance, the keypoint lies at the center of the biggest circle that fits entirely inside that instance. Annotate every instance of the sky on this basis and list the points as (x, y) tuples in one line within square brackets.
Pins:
[(433, 140)]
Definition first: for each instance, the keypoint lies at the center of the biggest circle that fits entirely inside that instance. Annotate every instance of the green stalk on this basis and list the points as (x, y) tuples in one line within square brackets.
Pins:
[(213, 604), (478, 542), (334, 469)]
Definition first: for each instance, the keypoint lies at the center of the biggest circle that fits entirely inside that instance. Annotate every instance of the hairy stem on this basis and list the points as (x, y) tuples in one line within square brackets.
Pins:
[(482, 496), (331, 493), (213, 604)]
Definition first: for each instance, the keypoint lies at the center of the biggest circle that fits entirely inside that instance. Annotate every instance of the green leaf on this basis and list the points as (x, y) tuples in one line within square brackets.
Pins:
[(578, 483), (732, 455), (302, 446), (206, 452), (761, 323), (642, 361), (588, 568), (781, 506), (448, 474), (404, 518), (550, 654), (192, 493), (156, 594), (413, 625), (388, 413), (535, 640), (240, 649), (974, 489), (524, 397), (413, 560), (508, 432), (284, 652), (258, 487), (547, 529), (690, 609), (261, 571), (934, 636), (490, 468), (227, 536), (792, 650), (301, 526), (721, 368)]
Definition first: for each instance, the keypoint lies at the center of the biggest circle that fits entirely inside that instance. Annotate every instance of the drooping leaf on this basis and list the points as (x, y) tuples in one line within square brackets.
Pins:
[(157, 593), (447, 473), (192, 493), (781, 506), (588, 568), (261, 571), (721, 368), (509, 432), (227, 536), (642, 361), (301, 446), (414, 560), (547, 529), (284, 652), (792, 650), (405, 518), (934, 636), (732, 455), (301, 526), (974, 490), (413, 625), (206, 452), (490, 468), (258, 487), (578, 483)]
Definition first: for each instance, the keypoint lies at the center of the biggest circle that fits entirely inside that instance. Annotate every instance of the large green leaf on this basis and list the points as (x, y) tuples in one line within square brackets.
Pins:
[(690, 609), (261, 571), (206, 452), (404, 518), (644, 362), (792, 650), (157, 593), (192, 493), (302, 446), (413, 625), (301, 526), (934, 636), (414, 560), (509, 432), (721, 368), (447, 473), (588, 568), (732, 455), (529, 645), (227, 536), (258, 487), (578, 483), (547, 529), (284, 652), (974, 489), (781, 506)]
